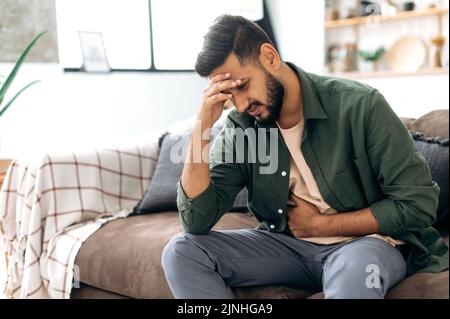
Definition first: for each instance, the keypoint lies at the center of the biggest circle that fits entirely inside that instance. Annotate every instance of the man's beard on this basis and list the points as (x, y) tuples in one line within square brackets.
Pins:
[(275, 94)]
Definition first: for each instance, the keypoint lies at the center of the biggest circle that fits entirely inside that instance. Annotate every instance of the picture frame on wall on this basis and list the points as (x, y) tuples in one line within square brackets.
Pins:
[(94, 54)]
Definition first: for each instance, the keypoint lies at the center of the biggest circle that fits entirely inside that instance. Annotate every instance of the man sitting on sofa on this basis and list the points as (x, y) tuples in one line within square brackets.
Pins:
[(349, 206)]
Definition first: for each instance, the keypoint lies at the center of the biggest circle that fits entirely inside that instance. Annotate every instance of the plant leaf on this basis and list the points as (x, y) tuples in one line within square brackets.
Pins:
[(3, 110), (17, 66)]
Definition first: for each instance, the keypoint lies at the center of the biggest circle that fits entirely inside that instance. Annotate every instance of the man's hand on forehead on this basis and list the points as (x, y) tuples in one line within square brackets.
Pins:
[(222, 77), (222, 83), (214, 96), (219, 77)]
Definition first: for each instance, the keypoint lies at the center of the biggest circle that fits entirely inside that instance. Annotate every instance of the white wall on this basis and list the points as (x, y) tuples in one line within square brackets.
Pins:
[(298, 27), (69, 110), (413, 96)]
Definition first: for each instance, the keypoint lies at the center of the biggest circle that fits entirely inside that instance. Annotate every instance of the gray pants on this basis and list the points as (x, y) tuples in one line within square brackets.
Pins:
[(206, 266)]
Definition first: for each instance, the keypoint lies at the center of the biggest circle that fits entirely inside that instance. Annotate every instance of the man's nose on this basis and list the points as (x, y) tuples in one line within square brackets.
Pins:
[(241, 104)]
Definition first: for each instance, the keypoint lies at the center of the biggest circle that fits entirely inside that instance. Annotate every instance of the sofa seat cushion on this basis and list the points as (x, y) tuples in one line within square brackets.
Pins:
[(124, 257), (432, 124), (87, 292)]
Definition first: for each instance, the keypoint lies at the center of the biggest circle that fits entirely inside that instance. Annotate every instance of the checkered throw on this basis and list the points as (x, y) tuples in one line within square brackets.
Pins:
[(50, 206)]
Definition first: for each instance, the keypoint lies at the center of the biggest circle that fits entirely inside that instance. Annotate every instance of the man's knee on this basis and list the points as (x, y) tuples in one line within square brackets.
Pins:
[(178, 248), (366, 268)]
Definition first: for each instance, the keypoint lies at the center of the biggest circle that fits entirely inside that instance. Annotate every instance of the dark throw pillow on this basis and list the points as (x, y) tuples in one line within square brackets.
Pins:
[(435, 152), (161, 194)]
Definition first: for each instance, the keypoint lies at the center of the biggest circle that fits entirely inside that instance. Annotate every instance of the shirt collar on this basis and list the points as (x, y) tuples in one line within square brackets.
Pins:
[(312, 108)]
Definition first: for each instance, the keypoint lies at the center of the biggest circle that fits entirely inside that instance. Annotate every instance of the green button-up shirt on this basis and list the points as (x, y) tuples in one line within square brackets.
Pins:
[(360, 154)]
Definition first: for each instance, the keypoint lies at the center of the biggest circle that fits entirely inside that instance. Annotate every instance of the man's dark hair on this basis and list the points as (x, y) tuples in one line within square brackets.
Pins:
[(230, 34)]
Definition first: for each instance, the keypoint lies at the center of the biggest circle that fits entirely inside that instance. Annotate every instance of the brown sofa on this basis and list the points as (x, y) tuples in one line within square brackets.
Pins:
[(122, 259)]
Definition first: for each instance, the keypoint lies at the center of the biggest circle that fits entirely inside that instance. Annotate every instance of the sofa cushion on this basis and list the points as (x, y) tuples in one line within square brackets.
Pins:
[(435, 152), (432, 124), (407, 121), (124, 256), (88, 292)]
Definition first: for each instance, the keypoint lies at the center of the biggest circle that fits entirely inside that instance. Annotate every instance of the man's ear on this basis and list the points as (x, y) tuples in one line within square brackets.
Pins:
[(269, 57)]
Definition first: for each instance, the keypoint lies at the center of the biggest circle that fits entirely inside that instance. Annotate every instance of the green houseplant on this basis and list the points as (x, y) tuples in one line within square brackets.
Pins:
[(372, 57), (5, 86)]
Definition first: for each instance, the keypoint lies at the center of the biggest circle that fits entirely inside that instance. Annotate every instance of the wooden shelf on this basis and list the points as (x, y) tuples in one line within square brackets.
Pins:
[(379, 18), (387, 73)]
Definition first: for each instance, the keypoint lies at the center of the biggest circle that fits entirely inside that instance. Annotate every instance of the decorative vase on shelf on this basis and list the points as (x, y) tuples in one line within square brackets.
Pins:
[(371, 59), (409, 6), (376, 65), (350, 57), (333, 14), (331, 10), (438, 44), (366, 66)]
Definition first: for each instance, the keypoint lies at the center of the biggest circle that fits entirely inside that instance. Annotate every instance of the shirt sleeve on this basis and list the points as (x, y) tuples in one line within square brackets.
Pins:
[(410, 195), (199, 214)]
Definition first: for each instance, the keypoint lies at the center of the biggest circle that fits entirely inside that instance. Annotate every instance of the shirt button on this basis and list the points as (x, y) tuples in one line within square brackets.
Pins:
[(280, 211), (272, 226), (283, 173)]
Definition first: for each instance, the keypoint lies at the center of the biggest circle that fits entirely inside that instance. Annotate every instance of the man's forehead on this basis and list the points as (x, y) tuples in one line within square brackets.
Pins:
[(232, 66)]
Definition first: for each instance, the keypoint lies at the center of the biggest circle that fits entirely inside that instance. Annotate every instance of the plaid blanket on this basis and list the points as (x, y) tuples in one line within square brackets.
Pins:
[(50, 206)]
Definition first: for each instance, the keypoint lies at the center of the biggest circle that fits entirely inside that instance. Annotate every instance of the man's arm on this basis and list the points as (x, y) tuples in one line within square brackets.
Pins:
[(200, 213), (410, 195), (206, 190), (355, 223), (195, 176)]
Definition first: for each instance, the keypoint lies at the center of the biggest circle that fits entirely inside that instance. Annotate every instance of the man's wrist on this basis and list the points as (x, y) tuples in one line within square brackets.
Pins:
[(355, 223), (204, 124), (320, 224)]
